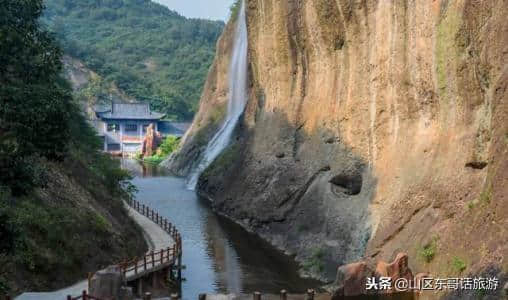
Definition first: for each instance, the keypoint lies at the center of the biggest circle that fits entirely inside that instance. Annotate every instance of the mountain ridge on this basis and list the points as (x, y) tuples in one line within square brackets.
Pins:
[(148, 51)]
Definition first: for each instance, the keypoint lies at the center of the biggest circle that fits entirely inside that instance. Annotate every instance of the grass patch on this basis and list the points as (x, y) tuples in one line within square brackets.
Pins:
[(486, 195), (428, 252), (154, 159), (101, 224), (483, 199), (458, 264), (471, 204), (315, 263)]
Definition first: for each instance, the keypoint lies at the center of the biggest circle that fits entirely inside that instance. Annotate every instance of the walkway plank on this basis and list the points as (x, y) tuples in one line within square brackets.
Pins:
[(156, 237)]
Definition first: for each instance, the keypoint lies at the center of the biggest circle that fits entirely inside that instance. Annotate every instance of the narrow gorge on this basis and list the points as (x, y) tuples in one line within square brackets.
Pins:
[(370, 128)]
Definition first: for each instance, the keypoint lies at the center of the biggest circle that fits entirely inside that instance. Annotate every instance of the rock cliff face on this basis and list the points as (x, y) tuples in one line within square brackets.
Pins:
[(372, 127), (212, 108), (89, 87)]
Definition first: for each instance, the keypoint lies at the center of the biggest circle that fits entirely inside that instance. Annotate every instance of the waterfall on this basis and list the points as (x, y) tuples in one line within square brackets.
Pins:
[(236, 102)]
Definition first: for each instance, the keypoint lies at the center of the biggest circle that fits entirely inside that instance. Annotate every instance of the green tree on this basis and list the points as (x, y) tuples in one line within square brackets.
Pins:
[(234, 9), (35, 102), (169, 145), (44, 136), (150, 52)]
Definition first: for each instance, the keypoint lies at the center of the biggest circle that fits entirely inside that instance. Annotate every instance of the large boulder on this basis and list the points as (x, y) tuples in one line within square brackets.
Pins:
[(107, 283), (395, 270), (352, 279)]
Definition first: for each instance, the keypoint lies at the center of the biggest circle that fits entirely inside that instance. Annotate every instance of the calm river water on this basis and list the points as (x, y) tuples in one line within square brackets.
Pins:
[(219, 255)]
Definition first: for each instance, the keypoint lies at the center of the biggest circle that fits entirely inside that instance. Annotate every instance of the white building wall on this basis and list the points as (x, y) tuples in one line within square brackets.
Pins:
[(127, 146)]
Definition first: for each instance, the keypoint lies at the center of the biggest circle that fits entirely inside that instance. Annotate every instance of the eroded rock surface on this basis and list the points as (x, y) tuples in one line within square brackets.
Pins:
[(353, 279), (152, 140), (392, 117)]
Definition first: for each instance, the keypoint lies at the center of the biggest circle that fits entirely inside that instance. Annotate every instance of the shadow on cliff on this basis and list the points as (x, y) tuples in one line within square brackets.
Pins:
[(306, 193)]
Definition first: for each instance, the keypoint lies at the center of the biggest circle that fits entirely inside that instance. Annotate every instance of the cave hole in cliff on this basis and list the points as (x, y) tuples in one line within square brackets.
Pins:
[(350, 184)]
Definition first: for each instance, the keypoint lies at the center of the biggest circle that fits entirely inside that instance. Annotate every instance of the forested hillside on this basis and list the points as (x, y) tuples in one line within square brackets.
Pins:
[(145, 49), (61, 208)]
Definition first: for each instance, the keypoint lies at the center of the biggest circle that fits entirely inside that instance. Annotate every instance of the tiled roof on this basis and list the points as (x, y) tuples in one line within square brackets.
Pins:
[(130, 111)]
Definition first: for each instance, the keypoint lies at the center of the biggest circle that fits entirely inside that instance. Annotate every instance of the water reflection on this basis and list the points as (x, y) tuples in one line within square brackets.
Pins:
[(219, 255), (140, 169)]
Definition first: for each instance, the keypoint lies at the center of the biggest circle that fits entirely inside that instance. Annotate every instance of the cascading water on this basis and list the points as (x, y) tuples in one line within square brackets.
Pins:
[(236, 102)]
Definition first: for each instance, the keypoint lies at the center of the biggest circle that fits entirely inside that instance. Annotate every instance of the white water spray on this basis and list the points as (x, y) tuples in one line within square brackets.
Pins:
[(236, 102)]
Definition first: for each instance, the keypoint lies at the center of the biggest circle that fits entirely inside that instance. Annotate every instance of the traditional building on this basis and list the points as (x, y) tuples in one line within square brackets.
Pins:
[(123, 126)]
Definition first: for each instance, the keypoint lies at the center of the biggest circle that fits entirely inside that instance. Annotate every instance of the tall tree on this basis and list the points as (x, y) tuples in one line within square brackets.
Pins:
[(35, 102)]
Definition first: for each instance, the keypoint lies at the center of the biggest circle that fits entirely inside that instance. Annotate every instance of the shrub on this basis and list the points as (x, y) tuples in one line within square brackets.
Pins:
[(100, 223), (428, 252), (154, 159), (234, 9), (458, 264), (315, 262), (107, 169), (139, 155), (168, 146), (471, 204)]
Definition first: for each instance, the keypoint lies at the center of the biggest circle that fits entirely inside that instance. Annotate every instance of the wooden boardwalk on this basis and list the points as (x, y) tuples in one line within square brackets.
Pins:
[(163, 260), (154, 261)]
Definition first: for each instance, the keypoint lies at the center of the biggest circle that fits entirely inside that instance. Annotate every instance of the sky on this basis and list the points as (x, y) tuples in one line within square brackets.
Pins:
[(204, 9)]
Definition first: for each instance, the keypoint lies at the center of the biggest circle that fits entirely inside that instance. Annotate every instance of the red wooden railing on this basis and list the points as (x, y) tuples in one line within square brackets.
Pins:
[(85, 296), (170, 254)]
